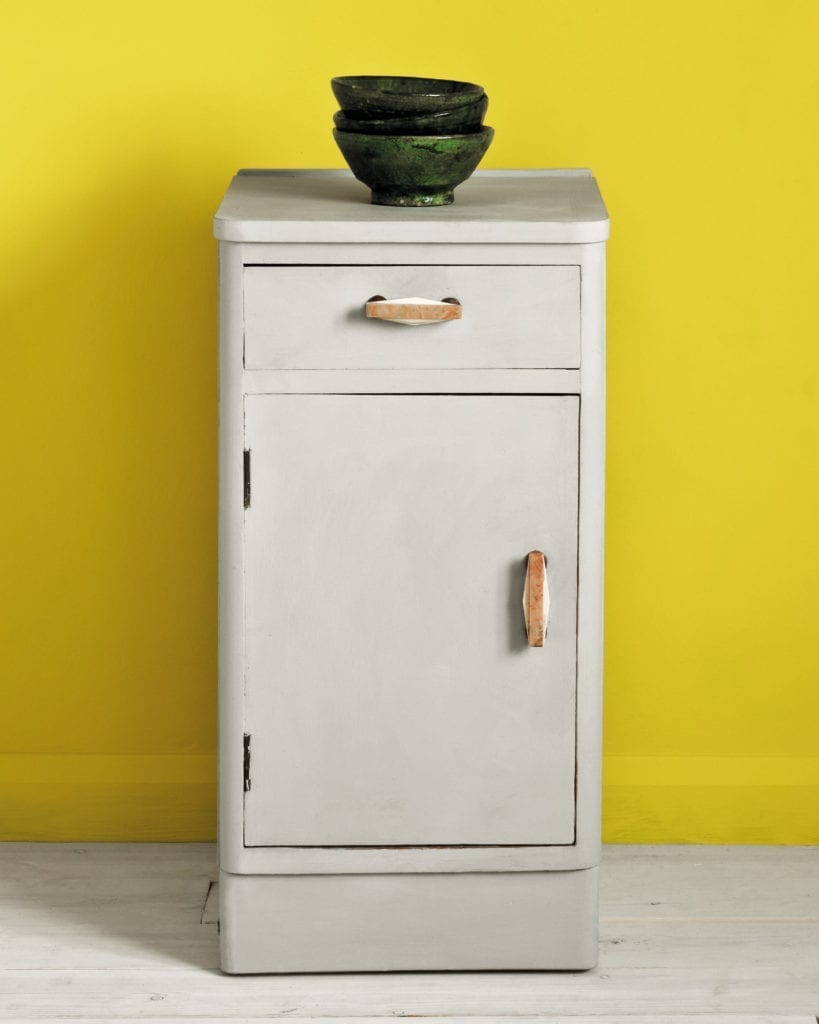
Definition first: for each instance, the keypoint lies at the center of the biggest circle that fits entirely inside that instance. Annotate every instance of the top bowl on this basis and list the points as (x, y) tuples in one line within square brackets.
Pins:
[(390, 94)]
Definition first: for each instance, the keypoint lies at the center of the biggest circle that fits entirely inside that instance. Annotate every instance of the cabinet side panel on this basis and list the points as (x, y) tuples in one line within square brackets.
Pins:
[(590, 552), (231, 507)]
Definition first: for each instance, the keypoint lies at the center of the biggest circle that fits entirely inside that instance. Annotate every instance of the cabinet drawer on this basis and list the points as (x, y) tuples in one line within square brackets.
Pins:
[(312, 317)]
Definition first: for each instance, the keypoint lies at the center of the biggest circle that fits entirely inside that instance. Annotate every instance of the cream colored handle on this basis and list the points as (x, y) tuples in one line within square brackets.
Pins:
[(536, 599), (414, 311)]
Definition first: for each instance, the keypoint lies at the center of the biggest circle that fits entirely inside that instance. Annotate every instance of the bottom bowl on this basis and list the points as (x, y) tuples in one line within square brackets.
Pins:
[(413, 170)]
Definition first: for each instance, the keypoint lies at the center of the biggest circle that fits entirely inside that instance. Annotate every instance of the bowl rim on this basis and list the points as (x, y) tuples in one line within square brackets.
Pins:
[(358, 83), (434, 138), (400, 115), (438, 116)]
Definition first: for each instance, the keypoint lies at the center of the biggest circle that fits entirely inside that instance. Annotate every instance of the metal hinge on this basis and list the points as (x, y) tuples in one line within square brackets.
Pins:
[(246, 768), (247, 477)]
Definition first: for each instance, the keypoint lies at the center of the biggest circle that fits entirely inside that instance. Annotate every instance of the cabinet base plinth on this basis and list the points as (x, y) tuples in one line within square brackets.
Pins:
[(426, 922)]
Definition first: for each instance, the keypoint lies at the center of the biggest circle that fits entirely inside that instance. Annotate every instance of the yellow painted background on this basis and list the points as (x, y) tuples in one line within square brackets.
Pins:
[(121, 125)]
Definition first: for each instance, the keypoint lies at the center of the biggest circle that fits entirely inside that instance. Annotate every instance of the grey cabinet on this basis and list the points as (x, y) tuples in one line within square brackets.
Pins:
[(409, 777)]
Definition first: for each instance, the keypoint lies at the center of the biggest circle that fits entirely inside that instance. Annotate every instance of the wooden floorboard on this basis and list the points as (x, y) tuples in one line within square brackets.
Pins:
[(674, 1019), (735, 883), (631, 991), (689, 935)]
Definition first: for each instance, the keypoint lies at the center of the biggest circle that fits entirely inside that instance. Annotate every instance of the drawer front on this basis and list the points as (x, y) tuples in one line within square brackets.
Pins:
[(313, 317)]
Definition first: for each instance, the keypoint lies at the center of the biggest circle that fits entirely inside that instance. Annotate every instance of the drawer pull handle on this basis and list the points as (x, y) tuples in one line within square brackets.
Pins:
[(536, 599), (413, 312)]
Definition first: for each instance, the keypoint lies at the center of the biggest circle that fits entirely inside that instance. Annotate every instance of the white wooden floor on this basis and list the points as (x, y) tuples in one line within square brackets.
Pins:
[(690, 935)]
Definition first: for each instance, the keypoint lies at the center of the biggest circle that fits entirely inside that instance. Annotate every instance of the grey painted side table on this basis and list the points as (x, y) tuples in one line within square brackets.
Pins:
[(411, 548)]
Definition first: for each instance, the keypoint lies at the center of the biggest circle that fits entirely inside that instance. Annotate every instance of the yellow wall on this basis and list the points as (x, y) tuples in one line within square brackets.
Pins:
[(121, 125)]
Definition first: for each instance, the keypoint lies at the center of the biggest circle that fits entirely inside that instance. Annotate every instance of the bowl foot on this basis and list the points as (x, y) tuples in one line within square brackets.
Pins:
[(420, 197)]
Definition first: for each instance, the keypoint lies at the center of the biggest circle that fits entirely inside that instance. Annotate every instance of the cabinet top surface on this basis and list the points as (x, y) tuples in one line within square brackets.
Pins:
[(537, 206)]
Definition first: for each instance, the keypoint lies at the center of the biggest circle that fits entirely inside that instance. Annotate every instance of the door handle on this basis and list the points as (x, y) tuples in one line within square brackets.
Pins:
[(536, 599), (412, 312)]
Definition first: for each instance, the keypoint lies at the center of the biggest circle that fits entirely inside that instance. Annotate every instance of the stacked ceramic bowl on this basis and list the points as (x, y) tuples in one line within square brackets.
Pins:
[(410, 140)]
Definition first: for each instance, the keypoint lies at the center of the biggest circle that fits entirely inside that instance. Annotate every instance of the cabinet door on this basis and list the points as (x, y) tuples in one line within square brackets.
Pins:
[(391, 696)]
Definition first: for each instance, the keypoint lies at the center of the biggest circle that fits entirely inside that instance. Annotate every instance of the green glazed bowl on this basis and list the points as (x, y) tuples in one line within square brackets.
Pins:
[(467, 118), (391, 94), (413, 170)]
